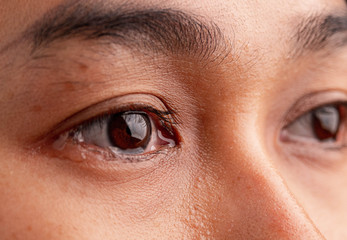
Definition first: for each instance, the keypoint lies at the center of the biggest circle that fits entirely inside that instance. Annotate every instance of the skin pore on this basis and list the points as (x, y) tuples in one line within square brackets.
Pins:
[(244, 103)]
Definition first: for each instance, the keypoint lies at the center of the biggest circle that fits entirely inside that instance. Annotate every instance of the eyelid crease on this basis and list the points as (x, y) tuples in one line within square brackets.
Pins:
[(312, 101), (311, 150), (75, 138), (124, 103)]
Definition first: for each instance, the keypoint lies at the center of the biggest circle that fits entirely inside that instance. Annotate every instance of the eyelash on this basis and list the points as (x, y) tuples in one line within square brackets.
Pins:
[(307, 117), (162, 119), (303, 143), (166, 118)]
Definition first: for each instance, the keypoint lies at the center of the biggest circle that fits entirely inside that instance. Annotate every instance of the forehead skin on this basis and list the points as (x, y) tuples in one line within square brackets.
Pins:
[(225, 184)]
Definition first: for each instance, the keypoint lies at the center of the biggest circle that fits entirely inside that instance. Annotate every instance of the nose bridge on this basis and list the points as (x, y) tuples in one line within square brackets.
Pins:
[(262, 205), (253, 200)]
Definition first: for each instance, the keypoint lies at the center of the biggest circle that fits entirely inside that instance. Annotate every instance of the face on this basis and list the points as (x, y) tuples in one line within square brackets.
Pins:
[(173, 119)]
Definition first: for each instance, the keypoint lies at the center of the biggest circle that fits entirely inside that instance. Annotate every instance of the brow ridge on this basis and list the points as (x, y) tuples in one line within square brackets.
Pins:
[(319, 32), (159, 30)]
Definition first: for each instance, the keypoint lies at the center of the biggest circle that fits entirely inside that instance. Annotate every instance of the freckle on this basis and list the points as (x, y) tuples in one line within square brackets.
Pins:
[(36, 108), (83, 67), (29, 228)]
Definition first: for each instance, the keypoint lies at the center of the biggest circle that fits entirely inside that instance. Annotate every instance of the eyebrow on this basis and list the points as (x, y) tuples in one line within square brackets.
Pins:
[(160, 30), (320, 32)]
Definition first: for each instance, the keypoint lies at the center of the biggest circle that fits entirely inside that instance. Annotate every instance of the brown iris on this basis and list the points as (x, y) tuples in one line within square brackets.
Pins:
[(129, 131), (326, 122)]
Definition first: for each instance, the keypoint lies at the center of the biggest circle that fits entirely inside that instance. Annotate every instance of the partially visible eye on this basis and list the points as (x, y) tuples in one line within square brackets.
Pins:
[(127, 133), (315, 130), (323, 124)]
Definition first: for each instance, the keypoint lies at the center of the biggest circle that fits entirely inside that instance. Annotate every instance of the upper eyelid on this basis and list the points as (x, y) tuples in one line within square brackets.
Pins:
[(135, 101), (141, 109), (76, 136), (162, 114), (313, 101), (343, 103)]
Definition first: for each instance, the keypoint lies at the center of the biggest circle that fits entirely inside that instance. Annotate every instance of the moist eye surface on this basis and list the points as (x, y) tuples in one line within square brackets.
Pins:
[(126, 132), (322, 124), (326, 122), (129, 131), (126, 129), (132, 133)]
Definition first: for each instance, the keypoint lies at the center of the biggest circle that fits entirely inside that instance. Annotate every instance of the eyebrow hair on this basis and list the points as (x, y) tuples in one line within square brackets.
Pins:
[(158, 30), (320, 32)]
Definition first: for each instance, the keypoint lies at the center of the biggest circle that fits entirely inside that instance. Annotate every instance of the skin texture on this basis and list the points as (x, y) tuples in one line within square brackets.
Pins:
[(229, 177)]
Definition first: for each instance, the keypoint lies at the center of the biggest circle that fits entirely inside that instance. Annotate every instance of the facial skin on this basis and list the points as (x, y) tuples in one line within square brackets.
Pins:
[(243, 163)]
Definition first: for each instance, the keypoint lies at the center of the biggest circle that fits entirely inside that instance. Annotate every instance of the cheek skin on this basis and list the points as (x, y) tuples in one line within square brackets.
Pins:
[(59, 198), (247, 199), (59, 203), (45, 207), (242, 194), (225, 189), (237, 198), (222, 186)]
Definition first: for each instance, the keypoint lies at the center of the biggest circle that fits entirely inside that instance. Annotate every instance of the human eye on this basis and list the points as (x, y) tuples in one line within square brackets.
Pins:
[(323, 124), (129, 129), (133, 132), (319, 133)]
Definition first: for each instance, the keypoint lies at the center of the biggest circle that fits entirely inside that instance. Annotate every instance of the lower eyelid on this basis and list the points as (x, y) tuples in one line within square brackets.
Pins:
[(316, 157), (96, 133), (306, 148), (80, 152), (98, 165), (70, 146), (305, 143)]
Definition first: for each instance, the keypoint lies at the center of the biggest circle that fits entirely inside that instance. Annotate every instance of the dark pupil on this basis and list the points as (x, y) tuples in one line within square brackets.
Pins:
[(129, 130), (326, 122)]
